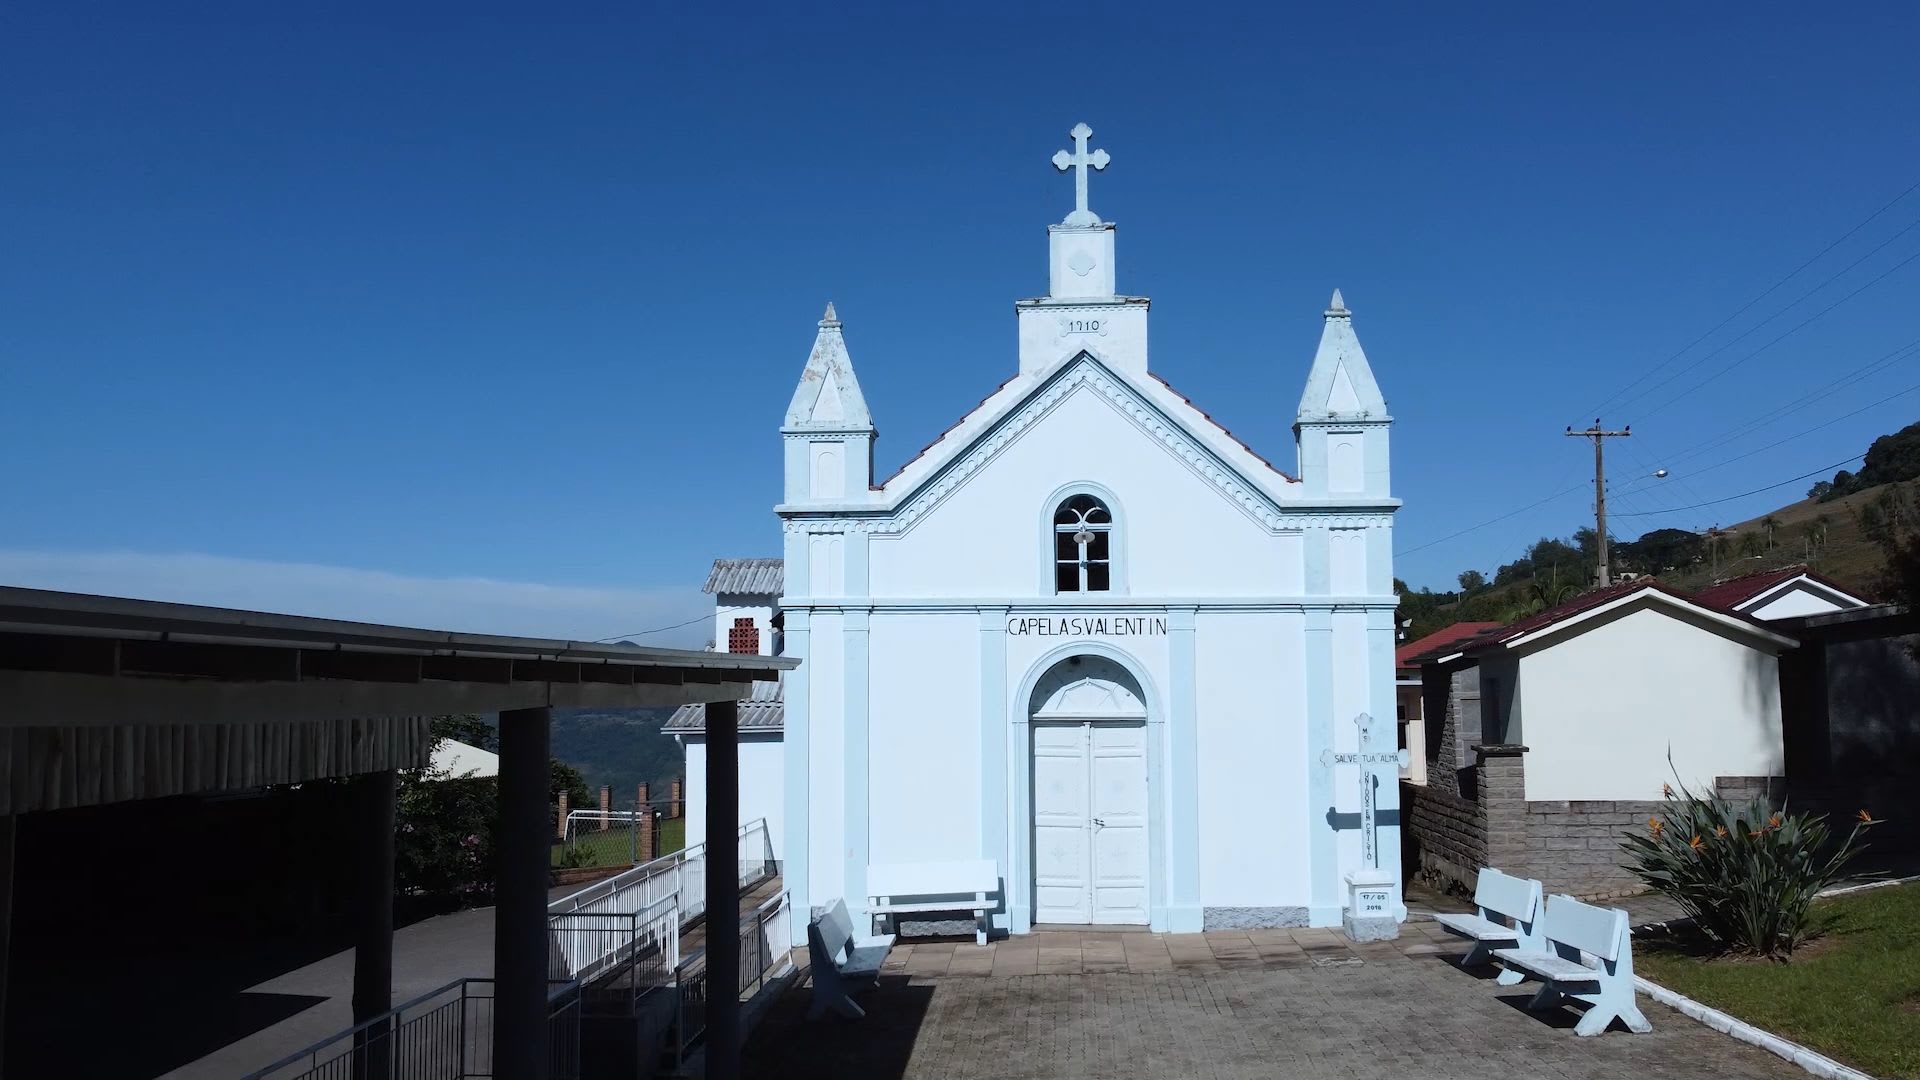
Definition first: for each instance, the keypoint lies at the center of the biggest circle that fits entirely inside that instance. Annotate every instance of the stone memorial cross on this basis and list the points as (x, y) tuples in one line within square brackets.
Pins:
[(1372, 761), (1080, 161)]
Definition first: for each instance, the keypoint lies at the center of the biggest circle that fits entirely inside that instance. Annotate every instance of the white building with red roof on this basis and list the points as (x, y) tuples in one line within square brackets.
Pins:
[(1549, 738), (1090, 636)]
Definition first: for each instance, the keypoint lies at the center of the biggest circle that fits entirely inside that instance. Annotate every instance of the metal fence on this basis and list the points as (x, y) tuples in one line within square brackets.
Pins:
[(764, 954), (587, 945), (682, 873), (606, 837), (446, 1034)]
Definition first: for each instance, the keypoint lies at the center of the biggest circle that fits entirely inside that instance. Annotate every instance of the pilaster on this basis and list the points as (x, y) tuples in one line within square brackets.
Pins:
[(1184, 913), (858, 822), (993, 746), (794, 739), (1325, 902)]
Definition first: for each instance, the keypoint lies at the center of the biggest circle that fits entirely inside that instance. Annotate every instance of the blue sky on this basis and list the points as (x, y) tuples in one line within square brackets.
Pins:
[(487, 318)]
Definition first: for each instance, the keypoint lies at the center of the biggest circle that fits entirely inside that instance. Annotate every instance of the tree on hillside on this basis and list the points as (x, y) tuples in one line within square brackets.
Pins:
[(1769, 523), (1752, 544), (1821, 490), (1816, 533), (1716, 536), (1471, 580), (1541, 594), (1662, 550), (1892, 458)]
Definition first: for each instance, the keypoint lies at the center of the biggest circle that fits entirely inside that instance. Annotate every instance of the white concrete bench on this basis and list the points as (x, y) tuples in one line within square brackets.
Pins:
[(1605, 982), (894, 889), (838, 965), (1506, 915)]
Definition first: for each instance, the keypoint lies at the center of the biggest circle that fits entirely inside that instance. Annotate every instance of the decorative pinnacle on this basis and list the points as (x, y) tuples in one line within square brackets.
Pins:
[(1337, 306), (829, 319)]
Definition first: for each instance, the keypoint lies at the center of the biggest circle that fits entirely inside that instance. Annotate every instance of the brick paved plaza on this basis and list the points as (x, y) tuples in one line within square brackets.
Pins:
[(1265, 1003)]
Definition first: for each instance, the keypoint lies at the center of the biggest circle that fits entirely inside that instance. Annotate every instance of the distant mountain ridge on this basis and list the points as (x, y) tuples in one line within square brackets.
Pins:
[(621, 748)]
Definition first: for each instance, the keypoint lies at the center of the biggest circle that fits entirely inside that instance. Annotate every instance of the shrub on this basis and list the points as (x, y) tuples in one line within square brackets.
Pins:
[(1745, 875), (575, 856), (444, 848)]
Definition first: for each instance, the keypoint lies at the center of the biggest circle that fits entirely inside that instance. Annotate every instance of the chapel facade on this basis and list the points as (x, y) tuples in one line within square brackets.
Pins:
[(1091, 636)]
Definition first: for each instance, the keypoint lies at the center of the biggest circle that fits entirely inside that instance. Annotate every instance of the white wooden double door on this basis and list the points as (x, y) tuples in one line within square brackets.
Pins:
[(1090, 821)]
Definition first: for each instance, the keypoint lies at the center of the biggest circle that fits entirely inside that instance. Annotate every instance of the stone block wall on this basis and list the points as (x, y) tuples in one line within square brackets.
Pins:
[(1444, 831), (1573, 847), (1479, 815)]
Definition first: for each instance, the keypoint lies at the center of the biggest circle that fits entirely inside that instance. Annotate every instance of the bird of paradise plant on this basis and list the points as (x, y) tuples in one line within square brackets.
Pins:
[(1747, 876)]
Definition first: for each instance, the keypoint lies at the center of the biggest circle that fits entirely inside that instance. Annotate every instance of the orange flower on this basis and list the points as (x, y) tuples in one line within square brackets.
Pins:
[(1654, 826), (1696, 843), (1865, 818), (1666, 791), (1773, 822), (1757, 834), (1719, 830)]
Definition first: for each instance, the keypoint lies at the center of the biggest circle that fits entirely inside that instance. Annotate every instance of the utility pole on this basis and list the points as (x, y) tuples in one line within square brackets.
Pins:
[(1599, 436)]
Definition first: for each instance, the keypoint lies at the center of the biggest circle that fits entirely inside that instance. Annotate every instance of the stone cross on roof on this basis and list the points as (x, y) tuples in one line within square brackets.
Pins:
[(1080, 161)]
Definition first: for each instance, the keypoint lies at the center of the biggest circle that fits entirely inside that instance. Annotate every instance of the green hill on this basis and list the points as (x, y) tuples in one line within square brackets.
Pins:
[(621, 748)]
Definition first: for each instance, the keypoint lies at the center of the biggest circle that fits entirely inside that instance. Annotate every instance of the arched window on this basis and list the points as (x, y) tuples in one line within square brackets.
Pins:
[(1083, 546)]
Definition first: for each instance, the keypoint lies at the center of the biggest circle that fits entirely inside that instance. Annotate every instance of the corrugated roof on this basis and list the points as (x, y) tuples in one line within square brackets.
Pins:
[(1404, 656), (1583, 603), (766, 710), (1733, 592), (755, 577)]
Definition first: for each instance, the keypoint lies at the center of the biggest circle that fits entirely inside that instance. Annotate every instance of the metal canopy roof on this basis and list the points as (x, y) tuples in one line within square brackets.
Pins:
[(183, 663)]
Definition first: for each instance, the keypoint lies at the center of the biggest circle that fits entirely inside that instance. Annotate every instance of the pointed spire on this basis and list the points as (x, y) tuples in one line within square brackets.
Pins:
[(1341, 385), (829, 397)]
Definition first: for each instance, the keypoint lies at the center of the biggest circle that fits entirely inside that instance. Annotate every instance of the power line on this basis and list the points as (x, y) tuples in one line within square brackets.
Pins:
[(1492, 521), (1858, 374), (675, 626), (1783, 336), (1864, 222), (1811, 430), (1758, 490)]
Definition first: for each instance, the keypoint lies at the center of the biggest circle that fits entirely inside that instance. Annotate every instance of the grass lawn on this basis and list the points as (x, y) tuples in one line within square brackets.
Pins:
[(1853, 995), (614, 847)]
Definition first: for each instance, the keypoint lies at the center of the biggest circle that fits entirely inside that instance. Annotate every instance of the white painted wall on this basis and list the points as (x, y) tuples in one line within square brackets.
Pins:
[(1182, 536), (762, 786), (1600, 711), (924, 737), (1351, 696), (826, 752), (730, 606), (1799, 600), (1251, 712)]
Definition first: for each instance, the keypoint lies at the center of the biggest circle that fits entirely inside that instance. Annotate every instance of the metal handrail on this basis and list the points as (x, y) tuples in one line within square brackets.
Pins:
[(392, 1027), (627, 878)]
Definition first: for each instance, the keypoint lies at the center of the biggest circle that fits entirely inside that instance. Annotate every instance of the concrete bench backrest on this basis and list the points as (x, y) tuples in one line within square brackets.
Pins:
[(834, 928), (1596, 930), (959, 877), (1516, 898)]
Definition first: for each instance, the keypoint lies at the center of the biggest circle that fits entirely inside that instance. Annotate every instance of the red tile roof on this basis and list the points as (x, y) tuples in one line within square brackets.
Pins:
[(1585, 602), (1735, 591), (1403, 657)]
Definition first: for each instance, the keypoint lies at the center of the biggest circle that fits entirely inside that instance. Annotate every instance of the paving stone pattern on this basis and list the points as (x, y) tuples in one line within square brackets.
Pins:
[(1276, 1003)]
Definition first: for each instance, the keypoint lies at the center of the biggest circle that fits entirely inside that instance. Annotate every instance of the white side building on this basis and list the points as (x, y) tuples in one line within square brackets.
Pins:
[(746, 619)]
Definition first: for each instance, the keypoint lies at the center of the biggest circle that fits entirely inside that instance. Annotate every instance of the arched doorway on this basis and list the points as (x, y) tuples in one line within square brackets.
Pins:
[(1090, 816)]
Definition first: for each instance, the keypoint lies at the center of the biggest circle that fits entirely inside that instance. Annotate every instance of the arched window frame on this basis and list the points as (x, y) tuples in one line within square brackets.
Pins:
[(1116, 541)]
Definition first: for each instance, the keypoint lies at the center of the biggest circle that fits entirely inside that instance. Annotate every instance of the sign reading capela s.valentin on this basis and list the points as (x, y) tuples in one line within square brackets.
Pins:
[(1088, 625)]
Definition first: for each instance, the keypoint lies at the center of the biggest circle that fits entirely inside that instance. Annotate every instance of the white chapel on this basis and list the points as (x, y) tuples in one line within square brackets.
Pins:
[(1087, 635)]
